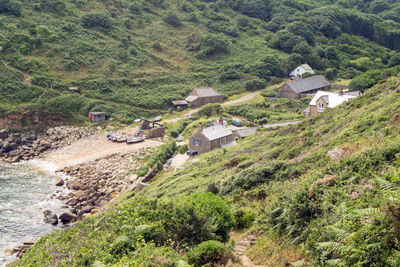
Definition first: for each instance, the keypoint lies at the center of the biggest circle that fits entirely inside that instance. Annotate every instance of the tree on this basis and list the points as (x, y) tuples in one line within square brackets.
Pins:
[(270, 66), (302, 48), (330, 73), (301, 29), (93, 20), (212, 44), (395, 60), (285, 40)]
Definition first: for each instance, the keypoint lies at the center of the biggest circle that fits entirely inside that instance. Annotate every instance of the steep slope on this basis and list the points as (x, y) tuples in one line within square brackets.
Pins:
[(132, 58), (329, 184)]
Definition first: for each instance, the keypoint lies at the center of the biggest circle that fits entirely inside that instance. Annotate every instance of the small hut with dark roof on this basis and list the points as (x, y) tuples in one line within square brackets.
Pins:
[(202, 96)]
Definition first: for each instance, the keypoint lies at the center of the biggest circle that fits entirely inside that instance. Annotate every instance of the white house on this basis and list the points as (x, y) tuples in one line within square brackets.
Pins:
[(323, 100), (298, 72)]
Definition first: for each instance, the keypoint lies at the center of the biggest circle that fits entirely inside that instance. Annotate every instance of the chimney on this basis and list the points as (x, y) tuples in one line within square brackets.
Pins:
[(341, 91), (221, 121), (200, 126)]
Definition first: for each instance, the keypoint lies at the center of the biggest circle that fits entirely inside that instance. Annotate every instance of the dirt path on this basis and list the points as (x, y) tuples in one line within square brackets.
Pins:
[(240, 250), (179, 160), (245, 98), (92, 148)]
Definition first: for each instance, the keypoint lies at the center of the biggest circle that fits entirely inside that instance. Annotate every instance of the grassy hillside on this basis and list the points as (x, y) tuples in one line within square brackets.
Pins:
[(326, 189), (132, 58)]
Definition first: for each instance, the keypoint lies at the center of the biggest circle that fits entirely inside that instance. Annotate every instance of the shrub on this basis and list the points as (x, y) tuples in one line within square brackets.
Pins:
[(209, 252), (174, 134), (10, 7), (269, 93), (135, 9), (244, 219), (183, 149), (172, 19), (213, 44), (255, 84), (242, 21), (93, 20), (394, 60), (210, 109)]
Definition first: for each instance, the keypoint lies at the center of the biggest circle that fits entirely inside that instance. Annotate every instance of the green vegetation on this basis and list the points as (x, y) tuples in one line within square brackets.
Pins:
[(156, 161), (120, 53), (328, 185), (270, 108)]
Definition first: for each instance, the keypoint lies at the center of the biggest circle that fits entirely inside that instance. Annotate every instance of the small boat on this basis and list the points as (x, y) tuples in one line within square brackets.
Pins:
[(135, 139), (121, 138)]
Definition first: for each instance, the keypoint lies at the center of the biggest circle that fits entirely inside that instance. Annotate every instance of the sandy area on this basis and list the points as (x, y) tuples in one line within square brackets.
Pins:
[(92, 148)]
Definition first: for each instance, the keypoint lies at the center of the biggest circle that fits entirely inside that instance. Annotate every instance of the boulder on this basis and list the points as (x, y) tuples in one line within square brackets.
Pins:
[(45, 143), (59, 182), (87, 209), (51, 219), (74, 185), (67, 217)]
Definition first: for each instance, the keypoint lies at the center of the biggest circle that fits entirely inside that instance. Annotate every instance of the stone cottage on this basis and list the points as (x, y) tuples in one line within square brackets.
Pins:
[(212, 137), (304, 87), (202, 96)]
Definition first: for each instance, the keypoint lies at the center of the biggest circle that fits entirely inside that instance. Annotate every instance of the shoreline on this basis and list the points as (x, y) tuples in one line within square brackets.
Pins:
[(91, 172)]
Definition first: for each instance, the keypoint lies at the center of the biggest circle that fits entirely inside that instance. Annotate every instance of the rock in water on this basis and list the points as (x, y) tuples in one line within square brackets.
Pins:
[(67, 217), (51, 219), (59, 182)]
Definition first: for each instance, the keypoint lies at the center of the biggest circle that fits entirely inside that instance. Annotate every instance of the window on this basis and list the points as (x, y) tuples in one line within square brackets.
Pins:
[(320, 107), (196, 142)]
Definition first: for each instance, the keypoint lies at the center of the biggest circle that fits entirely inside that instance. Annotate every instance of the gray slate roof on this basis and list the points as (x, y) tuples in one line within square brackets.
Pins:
[(308, 84), (97, 113), (204, 92), (216, 132)]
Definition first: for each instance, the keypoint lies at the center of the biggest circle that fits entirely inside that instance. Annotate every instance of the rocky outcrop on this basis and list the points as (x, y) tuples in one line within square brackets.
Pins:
[(31, 120), (94, 184), (18, 146)]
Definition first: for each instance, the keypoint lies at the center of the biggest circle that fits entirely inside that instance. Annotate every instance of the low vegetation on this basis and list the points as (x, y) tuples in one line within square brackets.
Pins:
[(326, 189), (118, 54)]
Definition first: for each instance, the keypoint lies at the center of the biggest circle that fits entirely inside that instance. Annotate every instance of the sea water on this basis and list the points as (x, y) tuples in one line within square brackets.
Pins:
[(26, 191)]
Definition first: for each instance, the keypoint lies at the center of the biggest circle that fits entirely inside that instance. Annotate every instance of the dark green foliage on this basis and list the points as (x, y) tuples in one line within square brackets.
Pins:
[(285, 41), (172, 19), (244, 219), (11, 7), (94, 20), (254, 85), (135, 8), (183, 149), (212, 44), (366, 80), (270, 66), (394, 60), (330, 74), (210, 109), (209, 252), (53, 6)]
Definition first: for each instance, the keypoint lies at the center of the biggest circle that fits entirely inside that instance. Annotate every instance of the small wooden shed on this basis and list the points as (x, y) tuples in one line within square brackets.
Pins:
[(97, 117)]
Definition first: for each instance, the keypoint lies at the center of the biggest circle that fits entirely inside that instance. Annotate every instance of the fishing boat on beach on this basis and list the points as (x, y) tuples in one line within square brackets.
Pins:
[(135, 139)]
